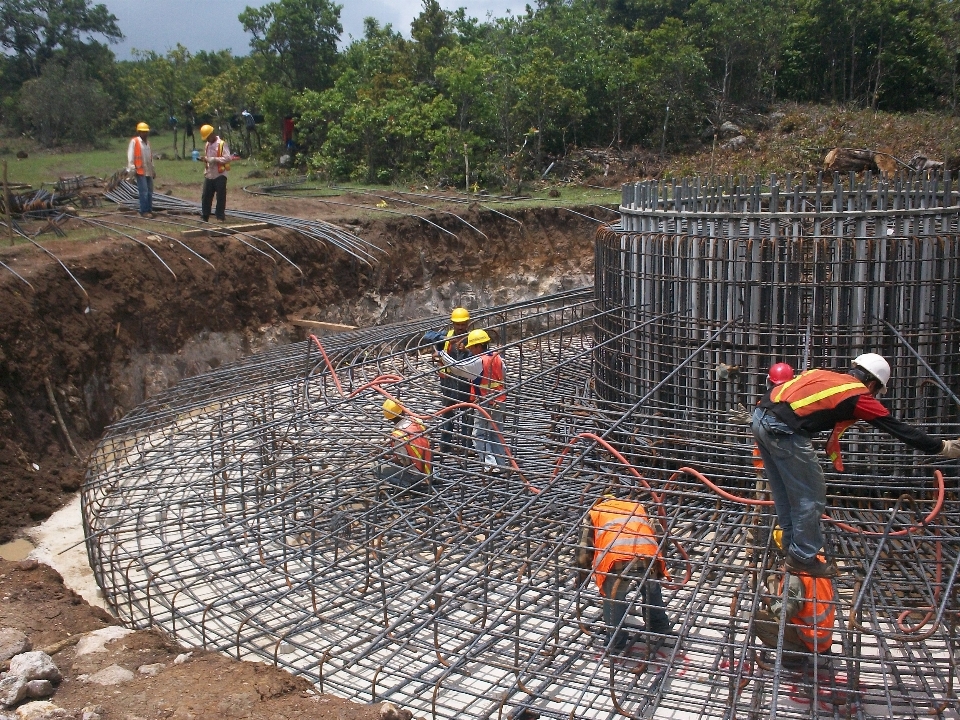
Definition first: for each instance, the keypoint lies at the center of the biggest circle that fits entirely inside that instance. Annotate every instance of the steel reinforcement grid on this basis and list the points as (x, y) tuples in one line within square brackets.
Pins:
[(242, 510)]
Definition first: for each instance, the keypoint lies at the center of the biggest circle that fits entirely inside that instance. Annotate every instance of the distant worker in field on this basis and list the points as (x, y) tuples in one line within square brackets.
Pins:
[(140, 168), (790, 414), (487, 372), (457, 427), (620, 545), (411, 461), (810, 612), (216, 159)]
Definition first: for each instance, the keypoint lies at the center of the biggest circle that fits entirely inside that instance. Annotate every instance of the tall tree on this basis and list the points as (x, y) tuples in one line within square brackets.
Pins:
[(298, 38), (432, 31), (33, 31)]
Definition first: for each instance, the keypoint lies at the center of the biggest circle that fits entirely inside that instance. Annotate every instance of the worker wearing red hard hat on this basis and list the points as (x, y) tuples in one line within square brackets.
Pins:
[(784, 422)]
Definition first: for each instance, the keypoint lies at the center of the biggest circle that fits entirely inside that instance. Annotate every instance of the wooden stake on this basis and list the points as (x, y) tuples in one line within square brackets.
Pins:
[(6, 204), (56, 412)]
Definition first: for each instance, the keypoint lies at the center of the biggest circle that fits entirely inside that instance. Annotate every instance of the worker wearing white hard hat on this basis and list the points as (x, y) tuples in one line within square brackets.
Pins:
[(783, 424)]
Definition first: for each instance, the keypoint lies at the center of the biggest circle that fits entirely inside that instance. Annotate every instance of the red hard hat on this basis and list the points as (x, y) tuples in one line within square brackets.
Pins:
[(780, 373)]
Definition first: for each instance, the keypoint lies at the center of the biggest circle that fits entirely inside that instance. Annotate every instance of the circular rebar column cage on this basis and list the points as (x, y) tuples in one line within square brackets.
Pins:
[(242, 510)]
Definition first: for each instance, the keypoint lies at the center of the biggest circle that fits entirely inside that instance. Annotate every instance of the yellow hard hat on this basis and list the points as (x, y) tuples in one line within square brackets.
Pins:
[(460, 315), (477, 337), (778, 536), (143, 127), (205, 131), (392, 409)]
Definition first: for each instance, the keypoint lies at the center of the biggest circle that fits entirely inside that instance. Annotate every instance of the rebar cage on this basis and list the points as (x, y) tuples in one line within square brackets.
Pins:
[(242, 510)]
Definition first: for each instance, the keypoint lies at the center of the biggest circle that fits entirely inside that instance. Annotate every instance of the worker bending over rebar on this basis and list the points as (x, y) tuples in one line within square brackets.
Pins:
[(784, 422), (620, 544), (410, 463)]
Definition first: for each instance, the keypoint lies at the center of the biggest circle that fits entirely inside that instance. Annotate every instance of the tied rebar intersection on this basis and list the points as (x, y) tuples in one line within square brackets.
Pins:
[(241, 510)]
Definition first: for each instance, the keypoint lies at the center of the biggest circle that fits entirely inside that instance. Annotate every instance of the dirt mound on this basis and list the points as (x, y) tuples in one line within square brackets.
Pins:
[(145, 674)]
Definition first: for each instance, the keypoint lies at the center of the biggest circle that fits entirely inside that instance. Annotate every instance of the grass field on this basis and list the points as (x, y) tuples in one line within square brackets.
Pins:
[(44, 167)]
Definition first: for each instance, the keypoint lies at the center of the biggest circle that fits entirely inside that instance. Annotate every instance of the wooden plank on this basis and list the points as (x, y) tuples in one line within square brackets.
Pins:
[(225, 230), (317, 325)]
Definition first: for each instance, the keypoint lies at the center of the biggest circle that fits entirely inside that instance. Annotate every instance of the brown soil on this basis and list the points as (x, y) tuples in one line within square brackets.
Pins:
[(144, 331), (206, 685)]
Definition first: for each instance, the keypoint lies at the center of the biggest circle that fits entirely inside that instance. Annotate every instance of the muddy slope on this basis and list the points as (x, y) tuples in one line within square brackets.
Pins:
[(142, 330)]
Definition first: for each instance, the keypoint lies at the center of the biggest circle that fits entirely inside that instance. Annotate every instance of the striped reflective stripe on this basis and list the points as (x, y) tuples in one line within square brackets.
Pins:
[(829, 392), (783, 388)]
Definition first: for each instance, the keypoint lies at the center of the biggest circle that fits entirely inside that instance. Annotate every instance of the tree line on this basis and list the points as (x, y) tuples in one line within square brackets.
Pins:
[(504, 95)]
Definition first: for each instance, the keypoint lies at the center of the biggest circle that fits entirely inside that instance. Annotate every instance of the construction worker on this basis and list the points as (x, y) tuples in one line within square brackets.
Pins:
[(810, 611), (783, 423), (411, 461), (620, 545), (140, 168), (486, 371), (216, 160), (457, 427)]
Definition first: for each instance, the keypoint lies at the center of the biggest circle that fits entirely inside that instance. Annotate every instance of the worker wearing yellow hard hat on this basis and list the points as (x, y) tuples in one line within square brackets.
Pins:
[(216, 159), (810, 611), (486, 372), (140, 168), (456, 430), (411, 462)]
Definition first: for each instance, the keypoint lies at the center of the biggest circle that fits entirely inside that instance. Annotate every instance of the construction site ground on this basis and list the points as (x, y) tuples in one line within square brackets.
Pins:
[(141, 331)]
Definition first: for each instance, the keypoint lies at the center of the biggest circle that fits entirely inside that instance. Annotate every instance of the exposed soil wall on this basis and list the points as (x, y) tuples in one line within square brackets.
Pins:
[(142, 330)]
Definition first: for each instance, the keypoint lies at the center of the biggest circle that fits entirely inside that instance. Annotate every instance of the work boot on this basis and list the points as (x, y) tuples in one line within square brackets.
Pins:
[(813, 568)]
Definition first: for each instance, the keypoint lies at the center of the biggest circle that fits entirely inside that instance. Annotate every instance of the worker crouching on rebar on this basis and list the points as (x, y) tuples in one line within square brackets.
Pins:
[(784, 422), (487, 373), (620, 544), (809, 613), (410, 463)]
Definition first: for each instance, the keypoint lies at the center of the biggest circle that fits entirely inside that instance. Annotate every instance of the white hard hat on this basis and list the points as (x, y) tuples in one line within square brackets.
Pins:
[(875, 365)]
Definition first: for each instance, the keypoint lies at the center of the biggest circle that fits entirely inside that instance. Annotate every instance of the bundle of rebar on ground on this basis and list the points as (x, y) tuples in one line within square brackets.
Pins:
[(125, 193), (249, 510)]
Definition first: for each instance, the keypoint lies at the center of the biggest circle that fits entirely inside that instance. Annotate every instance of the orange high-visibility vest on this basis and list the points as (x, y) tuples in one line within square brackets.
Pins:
[(814, 622), (621, 532), (490, 381), (817, 390), (138, 155), (413, 444), (221, 167)]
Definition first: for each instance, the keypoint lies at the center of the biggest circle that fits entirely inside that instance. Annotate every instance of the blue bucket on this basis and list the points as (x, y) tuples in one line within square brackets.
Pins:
[(195, 155)]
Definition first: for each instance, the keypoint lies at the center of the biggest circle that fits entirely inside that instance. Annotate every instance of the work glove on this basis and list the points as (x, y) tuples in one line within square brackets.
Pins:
[(951, 449), (740, 416)]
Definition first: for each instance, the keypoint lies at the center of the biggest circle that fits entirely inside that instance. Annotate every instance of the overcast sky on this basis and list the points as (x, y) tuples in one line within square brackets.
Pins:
[(212, 24)]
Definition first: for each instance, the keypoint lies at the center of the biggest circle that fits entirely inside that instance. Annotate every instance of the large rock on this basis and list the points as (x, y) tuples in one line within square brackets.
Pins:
[(37, 689), (113, 675), (729, 130), (35, 665), (42, 710), (13, 689), (13, 642)]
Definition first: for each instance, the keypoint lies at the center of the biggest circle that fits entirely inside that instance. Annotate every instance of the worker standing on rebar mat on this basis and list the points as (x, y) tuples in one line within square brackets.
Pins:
[(620, 544), (457, 427), (810, 612), (486, 371), (411, 462), (783, 423)]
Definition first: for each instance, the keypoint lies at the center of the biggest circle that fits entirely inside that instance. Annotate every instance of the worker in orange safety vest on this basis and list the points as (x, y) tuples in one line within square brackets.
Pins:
[(810, 612), (487, 373), (783, 424), (140, 168), (619, 545), (411, 461)]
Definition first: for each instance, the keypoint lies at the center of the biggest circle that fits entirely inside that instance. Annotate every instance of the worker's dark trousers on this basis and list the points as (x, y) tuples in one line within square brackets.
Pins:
[(216, 186), (457, 427), (766, 627), (399, 476), (615, 605)]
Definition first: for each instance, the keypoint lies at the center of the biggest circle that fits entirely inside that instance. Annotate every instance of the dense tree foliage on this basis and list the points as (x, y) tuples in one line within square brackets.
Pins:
[(506, 96)]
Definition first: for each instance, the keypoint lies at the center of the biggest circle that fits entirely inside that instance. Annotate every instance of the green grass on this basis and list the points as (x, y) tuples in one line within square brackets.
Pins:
[(46, 166)]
